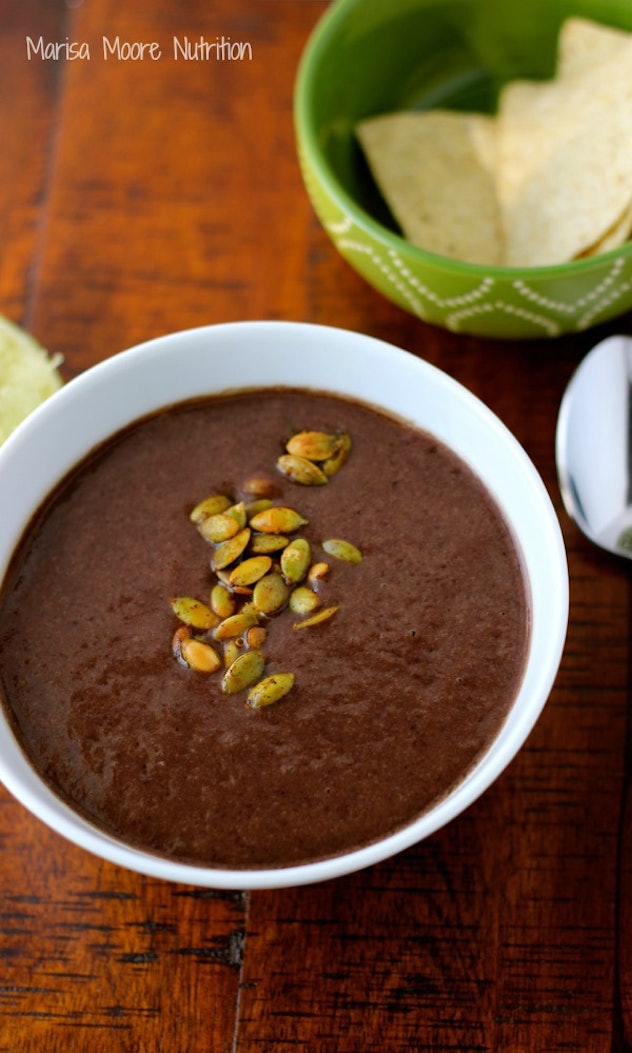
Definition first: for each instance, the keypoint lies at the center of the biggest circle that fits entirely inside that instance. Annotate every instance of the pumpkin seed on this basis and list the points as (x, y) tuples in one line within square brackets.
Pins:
[(342, 550), (258, 506), (315, 445), (256, 530), (270, 593), (295, 560), (231, 653), (250, 570), (230, 550), (210, 506), (221, 601), (219, 527), (200, 656), (255, 636), (334, 463), (300, 470), (236, 624), (323, 615), (270, 690), (193, 612), (243, 672), (260, 486), (181, 634), (316, 573), (238, 513), (242, 590), (277, 520), (264, 543), (303, 600)]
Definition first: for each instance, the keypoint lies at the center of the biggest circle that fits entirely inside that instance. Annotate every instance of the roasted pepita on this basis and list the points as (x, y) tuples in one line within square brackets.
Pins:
[(200, 656), (181, 634), (219, 527), (258, 506), (229, 551), (315, 445), (278, 520), (255, 637), (316, 573), (342, 550), (210, 506), (323, 615), (242, 590), (231, 653), (236, 624), (270, 689), (193, 612), (261, 544), (270, 593), (334, 463), (260, 486), (295, 560), (251, 582), (300, 470), (248, 572), (238, 513), (303, 600), (243, 672), (222, 602)]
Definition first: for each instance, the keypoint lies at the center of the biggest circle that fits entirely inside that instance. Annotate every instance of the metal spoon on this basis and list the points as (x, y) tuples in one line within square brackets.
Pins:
[(594, 445)]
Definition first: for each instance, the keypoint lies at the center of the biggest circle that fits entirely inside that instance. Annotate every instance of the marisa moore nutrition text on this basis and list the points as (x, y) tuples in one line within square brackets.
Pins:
[(114, 49)]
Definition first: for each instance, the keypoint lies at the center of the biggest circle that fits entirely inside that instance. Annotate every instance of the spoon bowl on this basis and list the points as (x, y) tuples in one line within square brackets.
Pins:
[(593, 445)]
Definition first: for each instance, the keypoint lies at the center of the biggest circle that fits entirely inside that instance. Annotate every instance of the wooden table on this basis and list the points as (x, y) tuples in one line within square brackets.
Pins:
[(146, 195)]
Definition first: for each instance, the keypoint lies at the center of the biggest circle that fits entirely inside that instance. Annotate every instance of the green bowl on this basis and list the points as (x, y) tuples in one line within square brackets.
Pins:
[(367, 57)]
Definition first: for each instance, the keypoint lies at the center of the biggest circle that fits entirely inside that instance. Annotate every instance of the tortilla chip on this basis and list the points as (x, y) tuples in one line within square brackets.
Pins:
[(546, 181), (618, 234), (568, 205), (434, 170), (565, 160), (584, 43)]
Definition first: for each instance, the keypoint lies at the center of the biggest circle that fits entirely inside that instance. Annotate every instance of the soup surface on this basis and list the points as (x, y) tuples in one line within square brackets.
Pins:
[(395, 697)]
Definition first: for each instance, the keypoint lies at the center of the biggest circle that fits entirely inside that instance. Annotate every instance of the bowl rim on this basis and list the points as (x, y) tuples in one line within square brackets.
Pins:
[(310, 152), (23, 781)]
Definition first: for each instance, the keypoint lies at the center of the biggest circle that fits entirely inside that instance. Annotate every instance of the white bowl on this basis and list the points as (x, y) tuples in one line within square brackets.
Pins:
[(258, 354)]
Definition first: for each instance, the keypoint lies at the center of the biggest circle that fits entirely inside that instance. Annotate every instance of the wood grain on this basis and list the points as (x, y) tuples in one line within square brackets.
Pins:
[(140, 198), (29, 102)]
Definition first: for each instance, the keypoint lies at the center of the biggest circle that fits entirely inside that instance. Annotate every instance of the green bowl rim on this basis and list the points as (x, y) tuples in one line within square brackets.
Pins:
[(321, 36)]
